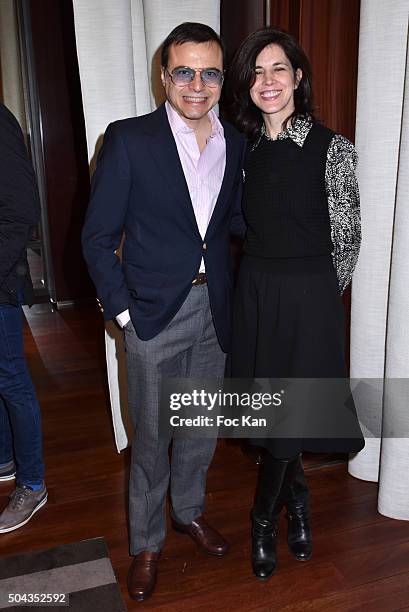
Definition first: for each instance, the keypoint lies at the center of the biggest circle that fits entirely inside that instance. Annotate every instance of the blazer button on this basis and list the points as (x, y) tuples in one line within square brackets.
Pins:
[(204, 246)]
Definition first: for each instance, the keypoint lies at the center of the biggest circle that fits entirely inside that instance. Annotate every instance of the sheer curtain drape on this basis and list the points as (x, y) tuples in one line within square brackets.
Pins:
[(380, 292), (118, 54)]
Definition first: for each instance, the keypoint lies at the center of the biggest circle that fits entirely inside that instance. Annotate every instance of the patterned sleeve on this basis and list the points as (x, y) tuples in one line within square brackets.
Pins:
[(343, 206)]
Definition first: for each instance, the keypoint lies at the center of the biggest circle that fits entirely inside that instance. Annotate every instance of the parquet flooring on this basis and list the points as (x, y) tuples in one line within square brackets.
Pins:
[(360, 560)]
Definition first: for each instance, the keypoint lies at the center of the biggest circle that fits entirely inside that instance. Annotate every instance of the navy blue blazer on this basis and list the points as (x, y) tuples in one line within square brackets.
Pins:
[(139, 188)]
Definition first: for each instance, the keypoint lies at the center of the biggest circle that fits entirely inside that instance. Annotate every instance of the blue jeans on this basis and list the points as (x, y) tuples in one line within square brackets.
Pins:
[(20, 420)]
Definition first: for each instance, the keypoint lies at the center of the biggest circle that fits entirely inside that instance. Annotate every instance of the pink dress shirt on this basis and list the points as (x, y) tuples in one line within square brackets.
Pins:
[(203, 171)]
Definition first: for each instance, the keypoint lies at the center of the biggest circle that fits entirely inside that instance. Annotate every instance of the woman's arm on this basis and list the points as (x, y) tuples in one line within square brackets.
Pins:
[(343, 206)]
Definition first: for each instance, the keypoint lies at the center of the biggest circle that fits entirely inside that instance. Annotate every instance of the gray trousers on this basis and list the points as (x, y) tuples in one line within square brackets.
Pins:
[(187, 347)]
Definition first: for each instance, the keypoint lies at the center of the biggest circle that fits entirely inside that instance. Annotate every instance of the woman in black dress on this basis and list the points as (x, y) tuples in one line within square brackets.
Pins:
[(301, 205)]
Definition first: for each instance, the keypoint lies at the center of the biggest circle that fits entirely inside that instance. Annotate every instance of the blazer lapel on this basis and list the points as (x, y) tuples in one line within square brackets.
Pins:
[(164, 151), (226, 183)]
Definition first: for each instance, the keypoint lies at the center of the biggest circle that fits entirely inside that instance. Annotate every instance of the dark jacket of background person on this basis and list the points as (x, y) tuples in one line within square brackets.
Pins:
[(19, 210)]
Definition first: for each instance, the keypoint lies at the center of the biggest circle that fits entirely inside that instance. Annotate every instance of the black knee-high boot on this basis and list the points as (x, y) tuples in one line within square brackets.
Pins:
[(273, 484), (299, 536)]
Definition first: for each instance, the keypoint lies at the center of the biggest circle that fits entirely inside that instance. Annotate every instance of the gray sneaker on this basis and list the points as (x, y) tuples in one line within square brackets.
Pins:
[(8, 471), (24, 502)]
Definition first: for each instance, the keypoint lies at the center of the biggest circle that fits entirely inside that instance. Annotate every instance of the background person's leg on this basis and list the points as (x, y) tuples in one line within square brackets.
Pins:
[(7, 465), (17, 391)]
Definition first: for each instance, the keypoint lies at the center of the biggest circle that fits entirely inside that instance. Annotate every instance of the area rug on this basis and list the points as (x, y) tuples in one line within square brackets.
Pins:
[(80, 574)]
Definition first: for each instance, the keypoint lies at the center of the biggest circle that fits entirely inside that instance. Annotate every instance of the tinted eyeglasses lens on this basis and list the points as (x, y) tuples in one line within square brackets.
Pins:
[(212, 77), (209, 76)]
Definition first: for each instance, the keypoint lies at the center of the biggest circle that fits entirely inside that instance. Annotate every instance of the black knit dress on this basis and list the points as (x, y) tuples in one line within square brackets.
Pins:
[(288, 313)]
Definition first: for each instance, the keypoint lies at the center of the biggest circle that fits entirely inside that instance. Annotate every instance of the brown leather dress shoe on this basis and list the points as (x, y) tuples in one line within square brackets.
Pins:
[(208, 539), (142, 575)]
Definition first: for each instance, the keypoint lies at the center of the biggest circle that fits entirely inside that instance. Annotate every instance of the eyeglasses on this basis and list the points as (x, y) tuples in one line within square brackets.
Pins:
[(182, 75)]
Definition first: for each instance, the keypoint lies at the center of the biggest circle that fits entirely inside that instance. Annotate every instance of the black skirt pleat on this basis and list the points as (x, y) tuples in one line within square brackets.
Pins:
[(289, 323)]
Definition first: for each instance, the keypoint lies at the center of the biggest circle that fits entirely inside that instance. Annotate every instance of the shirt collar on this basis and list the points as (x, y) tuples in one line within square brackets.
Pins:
[(297, 131), (178, 126)]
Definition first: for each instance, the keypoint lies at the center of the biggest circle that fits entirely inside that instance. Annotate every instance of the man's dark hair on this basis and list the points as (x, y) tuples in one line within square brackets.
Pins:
[(241, 78), (189, 32)]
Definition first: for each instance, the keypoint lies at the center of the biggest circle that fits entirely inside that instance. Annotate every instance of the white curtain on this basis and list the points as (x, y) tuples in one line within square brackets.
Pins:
[(11, 81), (118, 46), (380, 292)]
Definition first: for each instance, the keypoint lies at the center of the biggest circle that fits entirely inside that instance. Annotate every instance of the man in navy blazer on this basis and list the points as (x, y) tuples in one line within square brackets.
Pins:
[(170, 182)]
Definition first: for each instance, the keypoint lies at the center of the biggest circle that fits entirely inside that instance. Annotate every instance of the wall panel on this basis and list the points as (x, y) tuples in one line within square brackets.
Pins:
[(237, 19), (285, 15), (329, 33), (63, 142)]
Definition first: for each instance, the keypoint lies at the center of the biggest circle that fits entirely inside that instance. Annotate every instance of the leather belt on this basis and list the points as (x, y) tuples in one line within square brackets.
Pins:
[(200, 279)]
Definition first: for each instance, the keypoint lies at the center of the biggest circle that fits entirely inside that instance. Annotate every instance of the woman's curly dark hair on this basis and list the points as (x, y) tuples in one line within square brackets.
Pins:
[(241, 76)]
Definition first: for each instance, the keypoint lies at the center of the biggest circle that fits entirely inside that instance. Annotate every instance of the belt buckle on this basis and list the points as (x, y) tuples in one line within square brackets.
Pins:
[(200, 279)]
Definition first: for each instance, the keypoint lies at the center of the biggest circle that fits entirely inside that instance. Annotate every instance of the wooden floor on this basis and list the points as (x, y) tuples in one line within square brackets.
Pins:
[(360, 560)]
